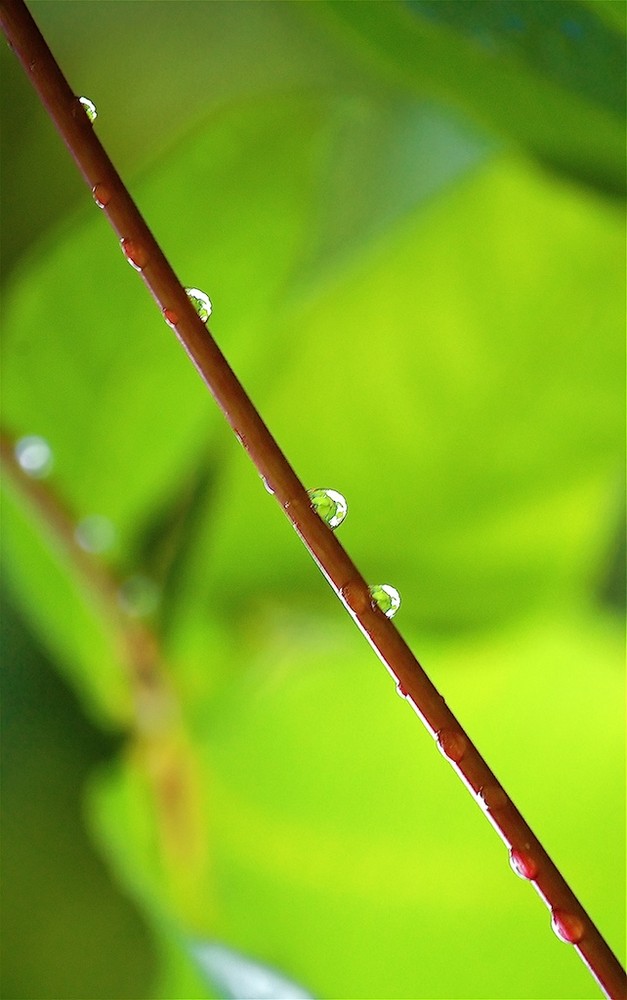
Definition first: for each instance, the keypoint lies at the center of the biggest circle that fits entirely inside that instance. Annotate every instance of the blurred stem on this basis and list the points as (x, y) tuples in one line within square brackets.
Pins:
[(160, 749), (349, 585)]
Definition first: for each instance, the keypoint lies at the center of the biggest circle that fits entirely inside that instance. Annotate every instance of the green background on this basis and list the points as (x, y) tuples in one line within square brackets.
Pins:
[(409, 218)]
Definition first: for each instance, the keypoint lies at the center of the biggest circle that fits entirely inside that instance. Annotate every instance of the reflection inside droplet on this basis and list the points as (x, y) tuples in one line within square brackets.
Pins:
[(329, 505), (90, 108), (134, 253), (386, 598), (95, 533), (201, 302), (139, 596), (34, 455), (567, 926)]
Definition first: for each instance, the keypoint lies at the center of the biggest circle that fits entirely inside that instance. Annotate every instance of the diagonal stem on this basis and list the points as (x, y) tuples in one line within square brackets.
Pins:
[(569, 917)]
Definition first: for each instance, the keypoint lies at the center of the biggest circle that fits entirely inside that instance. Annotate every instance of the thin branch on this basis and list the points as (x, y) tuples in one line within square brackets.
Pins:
[(529, 857)]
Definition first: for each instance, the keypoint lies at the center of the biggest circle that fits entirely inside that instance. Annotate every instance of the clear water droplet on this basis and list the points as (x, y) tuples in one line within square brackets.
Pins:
[(400, 690), (452, 744), (266, 486), (523, 864), (171, 318), (134, 253), (139, 596), (329, 505), (90, 108), (102, 195), (95, 533), (34, 456), (567, 926), (493, 797), (200, 302), (386, 598)]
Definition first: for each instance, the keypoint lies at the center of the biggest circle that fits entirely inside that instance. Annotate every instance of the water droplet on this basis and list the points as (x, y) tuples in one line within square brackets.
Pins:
[(134, 253), (329, 505), (523, 864), (90, 108), (453, 745), (102, 195), (386, 598), (266, 486), (400, 690), (171, 318), (567, 926), (493, 797), (139, 596), (95, 533), (200, 302), (34, 455)]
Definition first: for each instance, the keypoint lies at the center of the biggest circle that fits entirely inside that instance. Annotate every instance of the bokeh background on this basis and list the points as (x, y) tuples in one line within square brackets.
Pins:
[(409, 217)]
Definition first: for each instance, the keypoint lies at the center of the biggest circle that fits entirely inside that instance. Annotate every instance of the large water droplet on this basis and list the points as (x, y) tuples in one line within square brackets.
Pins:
[(95, 533), (102, 195), (452, 744), (135, 254), (329, 505), (523, 864), (139, 596), (567, 926), (200, 302), (34, 455), (386, 598), (90, 108)]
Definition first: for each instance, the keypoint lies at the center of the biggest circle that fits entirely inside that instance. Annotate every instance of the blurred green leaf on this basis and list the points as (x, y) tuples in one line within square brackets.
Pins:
[(548, 75)]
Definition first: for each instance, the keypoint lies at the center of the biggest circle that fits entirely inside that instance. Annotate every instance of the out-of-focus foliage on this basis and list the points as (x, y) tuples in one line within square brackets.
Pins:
[(407, 216)]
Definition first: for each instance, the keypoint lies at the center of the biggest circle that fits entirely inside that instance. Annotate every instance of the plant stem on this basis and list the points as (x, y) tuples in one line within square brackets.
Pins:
[(102, 178)]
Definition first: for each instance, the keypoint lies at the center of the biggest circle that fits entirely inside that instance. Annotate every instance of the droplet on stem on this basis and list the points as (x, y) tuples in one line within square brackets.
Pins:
[(567, 926), (102, 195), (356, 596), (134, 253), (452, 744), (201, 302), (139, 596), (90, 108), (267, 487), (171, 317), (493, 797), (95, 533), (329, 505), (386, 598), (523, 864), (34, 456)]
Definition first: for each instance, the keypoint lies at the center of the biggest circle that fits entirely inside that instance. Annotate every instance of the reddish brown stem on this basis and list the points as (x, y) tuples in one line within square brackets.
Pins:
[(141, 247)]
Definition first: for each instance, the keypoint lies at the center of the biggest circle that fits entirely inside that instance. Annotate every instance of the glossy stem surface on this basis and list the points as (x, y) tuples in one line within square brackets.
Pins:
[(78, 134)]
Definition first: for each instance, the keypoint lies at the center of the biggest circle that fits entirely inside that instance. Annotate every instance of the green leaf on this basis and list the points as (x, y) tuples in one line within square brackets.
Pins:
[(548, 76)]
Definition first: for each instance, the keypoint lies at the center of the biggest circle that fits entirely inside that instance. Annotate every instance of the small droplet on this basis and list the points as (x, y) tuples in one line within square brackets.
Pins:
[(266, 486), (90, 108), (493, 797), (102, 195), (356, 596), (567, 926), (34, 456), (139, 596), (134, 253), (95, 533), (453, 745), (329, 505), (523, 864), (400, 690), (200, 302), (171, 318), (386, 598)]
